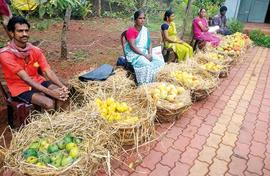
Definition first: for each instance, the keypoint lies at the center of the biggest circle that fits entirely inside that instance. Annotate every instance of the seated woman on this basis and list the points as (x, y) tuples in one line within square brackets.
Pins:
[(170, 39), (139, 51), (200, 29)]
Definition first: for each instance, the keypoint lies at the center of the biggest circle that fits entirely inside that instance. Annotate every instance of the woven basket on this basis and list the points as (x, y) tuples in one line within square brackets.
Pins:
[(168, 111), (137, 134), (140, 132), (83, 92), (208, 84)]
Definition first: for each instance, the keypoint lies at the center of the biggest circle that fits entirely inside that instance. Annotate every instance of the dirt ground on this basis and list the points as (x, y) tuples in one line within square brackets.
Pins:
[(91, 43)]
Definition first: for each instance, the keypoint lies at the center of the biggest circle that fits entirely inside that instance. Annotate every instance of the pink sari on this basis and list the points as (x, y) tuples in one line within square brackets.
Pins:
[(205, 36)]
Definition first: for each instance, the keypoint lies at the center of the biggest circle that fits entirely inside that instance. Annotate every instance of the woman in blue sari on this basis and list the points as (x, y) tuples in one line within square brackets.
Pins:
[(139, 51)]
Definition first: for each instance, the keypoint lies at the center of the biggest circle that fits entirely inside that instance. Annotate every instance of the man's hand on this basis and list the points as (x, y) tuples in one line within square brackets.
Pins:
[(60, 94)]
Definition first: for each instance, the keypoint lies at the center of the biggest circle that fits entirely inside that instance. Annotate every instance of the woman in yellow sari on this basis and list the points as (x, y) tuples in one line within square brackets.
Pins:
[(170, 39)]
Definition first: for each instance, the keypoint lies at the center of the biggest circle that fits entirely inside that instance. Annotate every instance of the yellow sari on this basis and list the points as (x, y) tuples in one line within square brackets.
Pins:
[(183, 50)]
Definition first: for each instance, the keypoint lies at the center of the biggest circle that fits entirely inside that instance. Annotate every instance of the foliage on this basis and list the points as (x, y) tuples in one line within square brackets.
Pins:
[(56, 8), (82, 10), (130, 6), (260, 38), (211, 6), (235, 26), (44, 24)]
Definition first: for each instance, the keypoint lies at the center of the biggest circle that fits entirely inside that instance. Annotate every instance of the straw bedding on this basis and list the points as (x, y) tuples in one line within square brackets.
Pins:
[(83, 92), (207, 82), (132, 134), (167, 111), (96, 147)]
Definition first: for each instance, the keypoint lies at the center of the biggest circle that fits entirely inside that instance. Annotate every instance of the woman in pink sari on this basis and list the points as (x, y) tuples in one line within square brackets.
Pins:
[(200, 29)]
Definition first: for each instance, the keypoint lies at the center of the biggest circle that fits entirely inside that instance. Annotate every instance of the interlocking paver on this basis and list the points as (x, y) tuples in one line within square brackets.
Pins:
[(213, 140), (141, 171), (241, 150), (237, 166), (174, 133), (170, 158), (257, 149), (226, 134), (198, 142), (205, 130), (164, 144), (180, 169), (218, 167), (224, 152), (190, 131), (151, 160), (255, 164), (219, 129), (189, 155), (260, 136), (181, 143), (160, 170), (199, 169), (229, 139)]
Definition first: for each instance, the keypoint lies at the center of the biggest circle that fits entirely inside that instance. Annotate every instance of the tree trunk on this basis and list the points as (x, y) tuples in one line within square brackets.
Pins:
[(99, 8), (188, 8), (168, 3), (64, 51)]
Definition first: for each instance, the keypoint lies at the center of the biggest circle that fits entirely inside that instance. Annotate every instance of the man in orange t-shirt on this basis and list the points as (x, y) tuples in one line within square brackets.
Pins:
[(20, 63)]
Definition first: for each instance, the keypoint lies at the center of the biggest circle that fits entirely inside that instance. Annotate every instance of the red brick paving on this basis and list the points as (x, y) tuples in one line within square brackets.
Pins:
[(226, 134)]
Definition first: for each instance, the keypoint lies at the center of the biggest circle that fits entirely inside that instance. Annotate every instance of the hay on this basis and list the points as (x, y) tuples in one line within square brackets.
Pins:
[(84, 92), (204, 58), (132, 134), (167, 111), (208, 82), (83, 123), (226, 61)]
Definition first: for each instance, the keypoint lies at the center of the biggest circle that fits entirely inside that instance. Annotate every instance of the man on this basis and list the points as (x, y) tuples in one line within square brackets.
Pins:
[(5, 13), (221, 21), (20, 63)]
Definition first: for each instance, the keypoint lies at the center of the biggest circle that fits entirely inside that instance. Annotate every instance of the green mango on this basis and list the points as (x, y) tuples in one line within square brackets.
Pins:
[(32, 159), (34, 145), (57, 162), (53, 148), (30, 152), (68, 138), (77, 140), (66, 160), (43, 145), (71, 145), (61, 144), (56, 159), (45, 159), (74, 152)]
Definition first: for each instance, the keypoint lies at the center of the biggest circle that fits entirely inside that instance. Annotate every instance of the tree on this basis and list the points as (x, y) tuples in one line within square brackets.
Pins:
[(67, 6), (64, 50), (188, 8)]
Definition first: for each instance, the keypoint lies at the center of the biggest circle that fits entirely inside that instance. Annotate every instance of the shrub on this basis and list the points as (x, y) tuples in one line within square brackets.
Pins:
[(260, 38), (235, 26)]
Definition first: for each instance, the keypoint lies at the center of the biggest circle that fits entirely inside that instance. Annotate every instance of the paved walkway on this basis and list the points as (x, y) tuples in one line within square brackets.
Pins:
[(265, 27), (227, 134)]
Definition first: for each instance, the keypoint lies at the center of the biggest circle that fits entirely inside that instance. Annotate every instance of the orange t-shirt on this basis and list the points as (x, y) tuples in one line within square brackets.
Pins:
[(11, 65)]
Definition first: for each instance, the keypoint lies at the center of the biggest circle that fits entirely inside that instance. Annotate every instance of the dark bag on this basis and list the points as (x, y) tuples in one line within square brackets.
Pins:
[(99, 74), (121, 61)]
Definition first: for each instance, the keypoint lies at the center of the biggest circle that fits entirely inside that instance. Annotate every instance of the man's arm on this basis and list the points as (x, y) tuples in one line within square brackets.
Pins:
[(53, 93), (52, 77)]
